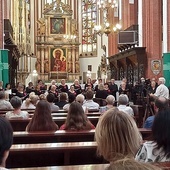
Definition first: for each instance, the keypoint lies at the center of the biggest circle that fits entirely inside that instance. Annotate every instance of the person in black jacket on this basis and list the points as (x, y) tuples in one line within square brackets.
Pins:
[(113, 88), (101, 92)]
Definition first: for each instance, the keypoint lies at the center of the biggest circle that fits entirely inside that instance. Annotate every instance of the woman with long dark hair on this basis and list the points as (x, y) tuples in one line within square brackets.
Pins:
[(158, 149), (76, 119), (42, 119)]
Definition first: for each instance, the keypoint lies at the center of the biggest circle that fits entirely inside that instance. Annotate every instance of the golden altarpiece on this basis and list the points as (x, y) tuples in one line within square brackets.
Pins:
[(57, 45)]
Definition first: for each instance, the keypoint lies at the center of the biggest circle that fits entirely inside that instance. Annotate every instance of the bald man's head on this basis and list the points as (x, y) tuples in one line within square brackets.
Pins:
[(161, 103)]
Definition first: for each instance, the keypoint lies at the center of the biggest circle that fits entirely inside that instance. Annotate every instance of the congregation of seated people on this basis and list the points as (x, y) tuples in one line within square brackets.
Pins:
[(117, 135)]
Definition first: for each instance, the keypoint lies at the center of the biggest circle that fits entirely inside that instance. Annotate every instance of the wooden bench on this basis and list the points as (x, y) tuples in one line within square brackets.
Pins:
[(20, 124), (146, 133), (52, 154), (138, 114), (32, 111), (58, 136), (162, 165), (62, 136), (62, 114), (73, 167)]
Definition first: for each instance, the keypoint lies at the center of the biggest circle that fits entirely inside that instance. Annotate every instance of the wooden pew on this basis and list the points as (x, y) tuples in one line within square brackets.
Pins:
[(32, 111), (20, 124), (50, 154), (65, 114), (162, 165), (138, 114), (58, 136), (62, 136), (28, 110), (73, 167), (62, 114), (146, 133)]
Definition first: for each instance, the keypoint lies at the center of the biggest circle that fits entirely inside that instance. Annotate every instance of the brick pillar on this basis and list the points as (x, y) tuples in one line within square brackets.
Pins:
[(129, 17), (168, 25), (1, 24), (112, 37), (152, 32)]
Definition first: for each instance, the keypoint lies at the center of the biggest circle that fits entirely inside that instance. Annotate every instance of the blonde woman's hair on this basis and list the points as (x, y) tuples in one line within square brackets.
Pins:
[(101, 86), (117, 135), (131, 164), (32, 99)]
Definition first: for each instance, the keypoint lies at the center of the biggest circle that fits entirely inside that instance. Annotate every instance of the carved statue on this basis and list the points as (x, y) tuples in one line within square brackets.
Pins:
[(46, 66), (48, 7), (73, 27), (103, 66), (77, 67), (38, 65), (66, 8), (69, 67), (42, 27)]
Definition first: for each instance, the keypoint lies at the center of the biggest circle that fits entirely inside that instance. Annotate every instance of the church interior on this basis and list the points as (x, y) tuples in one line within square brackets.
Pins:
[(71, 39), (84, 84)]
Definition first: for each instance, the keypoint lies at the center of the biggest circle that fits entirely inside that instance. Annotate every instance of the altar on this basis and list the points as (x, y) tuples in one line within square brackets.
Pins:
[(57, 44)]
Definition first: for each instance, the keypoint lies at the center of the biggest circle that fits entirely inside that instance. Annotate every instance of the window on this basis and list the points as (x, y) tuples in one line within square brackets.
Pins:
[(89, 19)]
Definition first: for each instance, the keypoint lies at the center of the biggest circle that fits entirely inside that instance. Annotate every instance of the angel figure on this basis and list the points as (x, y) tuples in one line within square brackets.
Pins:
[(42, 26)]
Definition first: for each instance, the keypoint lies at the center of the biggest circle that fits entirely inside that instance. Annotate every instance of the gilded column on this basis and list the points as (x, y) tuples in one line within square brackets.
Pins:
[(69, 64), (73, 59), (77, 64)]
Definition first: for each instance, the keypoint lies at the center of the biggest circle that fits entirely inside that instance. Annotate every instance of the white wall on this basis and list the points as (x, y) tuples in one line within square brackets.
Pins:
[(165, 27), (94, 61), (140, 23)]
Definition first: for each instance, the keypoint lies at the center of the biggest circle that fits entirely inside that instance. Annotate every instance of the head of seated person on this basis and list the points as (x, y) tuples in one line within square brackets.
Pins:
[(161, 103), (110, 100), (76, 119), (80, 98), (71, 98), (42, 119), (2, 95), (33, 99), (17, 113), (50, 97), (63, 97), (16, 102), (101, 86), (42, 97), (6, 139), (123, 99), (89, 95), (4, 105), (117, 135)]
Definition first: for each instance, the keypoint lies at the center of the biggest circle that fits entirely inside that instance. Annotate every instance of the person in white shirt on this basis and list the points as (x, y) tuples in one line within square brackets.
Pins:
[(80, 99), (30, 103), (110, 100), (123, 101), (89, 103), (16, 102), (161, 90), (4, 105), (50, 98)]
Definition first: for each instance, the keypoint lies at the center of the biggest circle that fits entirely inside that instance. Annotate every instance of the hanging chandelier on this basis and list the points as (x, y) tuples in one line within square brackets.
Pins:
[(104, 7)]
